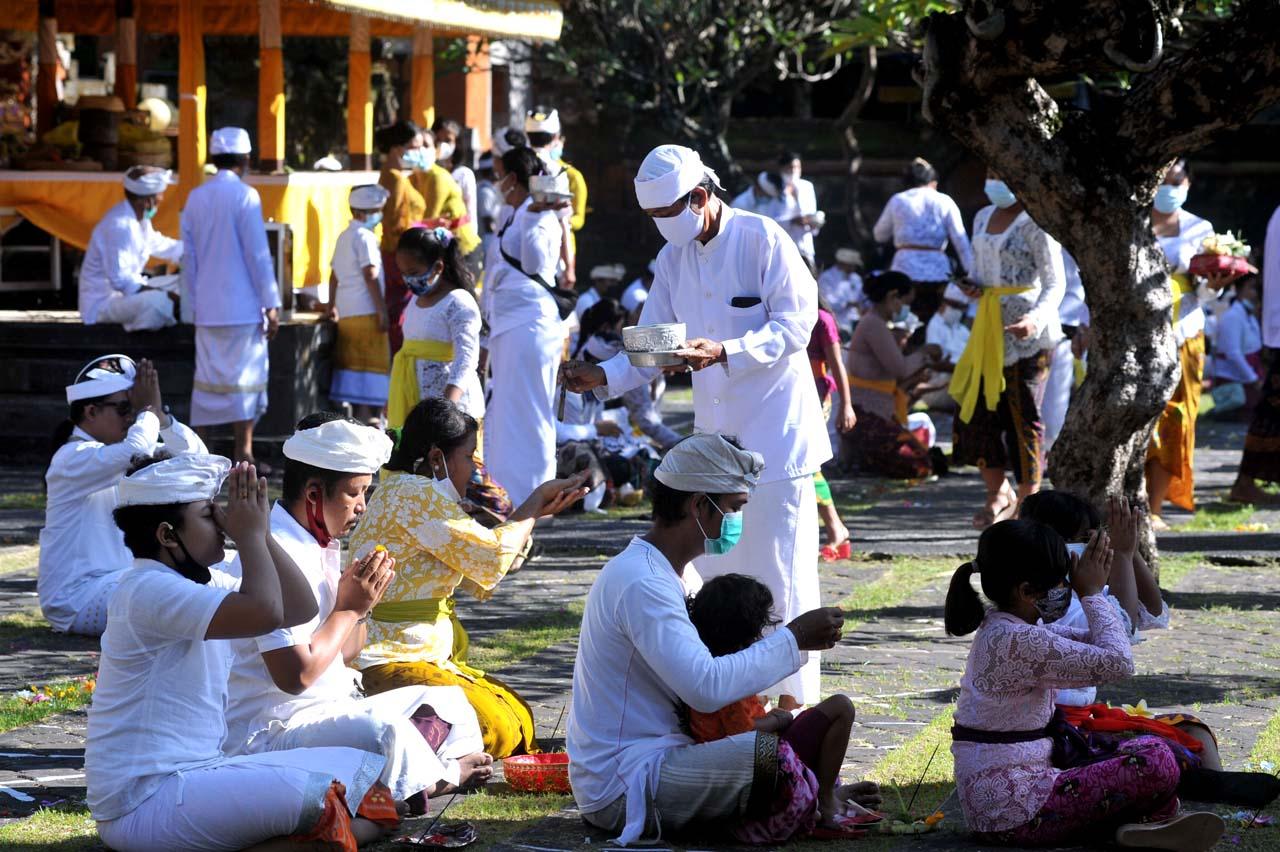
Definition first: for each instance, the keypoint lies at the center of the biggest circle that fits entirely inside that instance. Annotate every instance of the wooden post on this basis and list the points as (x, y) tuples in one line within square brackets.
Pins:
[(193, 143), (47, 74), (422, 83), (359, 104), (270, 88), (126, 54), (467, 96)]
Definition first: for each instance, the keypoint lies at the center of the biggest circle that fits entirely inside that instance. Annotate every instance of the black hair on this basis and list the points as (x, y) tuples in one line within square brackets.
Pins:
[(731, 613), (881, 285), (429, 245), (391, 135), (603, 314), (433, 423), (1180, 166), (447, 124), (1062, 510), (706, 184), (920, 172), (1243, 281), (139, 523), (524, 164), (297, 474), (515, 138), (1010, 553), (230, 161), (787, 157)]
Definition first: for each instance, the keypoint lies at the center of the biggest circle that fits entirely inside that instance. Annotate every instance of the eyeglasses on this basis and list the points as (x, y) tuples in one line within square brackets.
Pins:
[(123, 407)]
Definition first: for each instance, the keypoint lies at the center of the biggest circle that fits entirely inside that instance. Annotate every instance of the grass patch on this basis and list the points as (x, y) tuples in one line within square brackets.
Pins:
[(1222, 517), (901, 769), (1266, 749), (52, 830), (511, 646), (1175, 566), (62, 696), (19, 557), (23, 500), (895, 587)]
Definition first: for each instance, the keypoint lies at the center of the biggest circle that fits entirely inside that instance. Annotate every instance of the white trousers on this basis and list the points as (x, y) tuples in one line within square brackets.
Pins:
[(519, 424), (146, 310), (1057, 391), (380, 724), (242, 801), (91, 619), (779, 547)]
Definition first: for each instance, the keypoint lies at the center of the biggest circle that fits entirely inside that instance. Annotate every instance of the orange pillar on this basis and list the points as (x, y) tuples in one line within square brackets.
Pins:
[(422, 83), (192, 134), (467, 96), (359, 104), (47, 74), (270, 88), (126, 54)]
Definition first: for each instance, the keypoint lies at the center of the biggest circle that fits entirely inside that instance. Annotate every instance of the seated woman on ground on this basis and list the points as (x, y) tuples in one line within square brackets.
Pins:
[(878, 373), (414, 635), (156, 774), (1008, 785), (732, 612)]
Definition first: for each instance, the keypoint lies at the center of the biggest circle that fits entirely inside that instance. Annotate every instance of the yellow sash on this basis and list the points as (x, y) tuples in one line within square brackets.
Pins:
[(886, 386), (1181, 285), (404, 393), (980, 370), (425, 609)]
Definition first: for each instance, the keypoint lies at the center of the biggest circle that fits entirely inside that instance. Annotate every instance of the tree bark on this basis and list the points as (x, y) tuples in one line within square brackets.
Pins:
[(854, 220), (1088, 179)]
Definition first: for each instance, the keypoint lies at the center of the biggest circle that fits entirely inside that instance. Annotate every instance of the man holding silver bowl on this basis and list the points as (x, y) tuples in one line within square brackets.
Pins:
[(748, 303)]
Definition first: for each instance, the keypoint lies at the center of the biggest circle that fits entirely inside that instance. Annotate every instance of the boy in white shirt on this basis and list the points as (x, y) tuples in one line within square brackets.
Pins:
[(357, 303)]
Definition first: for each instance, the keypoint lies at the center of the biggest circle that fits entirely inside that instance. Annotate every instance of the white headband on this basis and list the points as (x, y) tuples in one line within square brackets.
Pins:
[(150, 183), (668, 173), (94, 381), (707, 462), (186, 478), (340, 446), (368, 197)]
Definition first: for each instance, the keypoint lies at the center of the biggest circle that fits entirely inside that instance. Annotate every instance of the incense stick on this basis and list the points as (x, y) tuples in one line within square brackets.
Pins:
[(923, 775)]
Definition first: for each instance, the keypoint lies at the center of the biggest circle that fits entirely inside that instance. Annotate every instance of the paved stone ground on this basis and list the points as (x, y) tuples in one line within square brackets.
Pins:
[(1221, 659)]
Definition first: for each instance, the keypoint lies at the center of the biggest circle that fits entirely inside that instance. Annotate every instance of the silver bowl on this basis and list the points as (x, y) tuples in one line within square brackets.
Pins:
[(664, 337), (654, 359)]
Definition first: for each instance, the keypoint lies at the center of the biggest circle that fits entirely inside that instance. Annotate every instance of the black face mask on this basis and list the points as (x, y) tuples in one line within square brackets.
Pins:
[(188, 567)]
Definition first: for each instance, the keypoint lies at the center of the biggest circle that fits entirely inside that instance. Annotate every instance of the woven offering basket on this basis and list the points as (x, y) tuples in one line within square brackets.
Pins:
[(537, 773)]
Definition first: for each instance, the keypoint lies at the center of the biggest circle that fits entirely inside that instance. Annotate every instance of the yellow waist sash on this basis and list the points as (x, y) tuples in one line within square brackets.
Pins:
[(886, 386), (425, 609), (980, 370), (404, 393)]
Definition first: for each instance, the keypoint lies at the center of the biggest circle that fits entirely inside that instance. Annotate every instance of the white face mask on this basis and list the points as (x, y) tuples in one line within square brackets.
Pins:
[(445, 486), (951, 315), (445, 150), (682, 228)]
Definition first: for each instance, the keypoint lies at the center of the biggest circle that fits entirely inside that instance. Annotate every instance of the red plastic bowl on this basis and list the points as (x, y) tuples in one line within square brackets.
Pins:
[(537, 773)]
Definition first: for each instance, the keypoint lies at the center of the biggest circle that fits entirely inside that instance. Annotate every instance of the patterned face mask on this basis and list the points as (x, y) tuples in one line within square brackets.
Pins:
[(1054, 605)]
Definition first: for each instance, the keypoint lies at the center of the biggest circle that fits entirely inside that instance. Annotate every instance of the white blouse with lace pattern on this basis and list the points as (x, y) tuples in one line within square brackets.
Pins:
[(454, 319), (1023, 254)]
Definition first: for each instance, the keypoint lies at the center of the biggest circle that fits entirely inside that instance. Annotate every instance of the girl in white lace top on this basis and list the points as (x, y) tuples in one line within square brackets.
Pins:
[(1009, 788)]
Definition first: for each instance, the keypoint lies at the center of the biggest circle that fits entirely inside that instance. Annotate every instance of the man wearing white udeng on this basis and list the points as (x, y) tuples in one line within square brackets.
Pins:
[(749, 305)]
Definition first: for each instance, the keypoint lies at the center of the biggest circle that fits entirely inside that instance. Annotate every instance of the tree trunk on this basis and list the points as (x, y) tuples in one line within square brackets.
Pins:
[(854, 220)]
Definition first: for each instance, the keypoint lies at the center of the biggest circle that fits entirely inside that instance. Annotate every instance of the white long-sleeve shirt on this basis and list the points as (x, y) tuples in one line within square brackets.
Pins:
[(118, 251), (803, 202), (80, 541), (515, 299), (926, 218), (1023, 254), (1073, 311), (1178, 249), (227, 262), (764, 394), (638, 657), (1271, 283), (1239, 336)]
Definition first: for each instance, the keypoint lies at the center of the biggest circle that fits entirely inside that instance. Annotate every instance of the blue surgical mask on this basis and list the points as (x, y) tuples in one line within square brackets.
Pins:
[(372, 221), (730, 532), (902, 316), (1054, 605), (1248, 304), (555, 152), (418, 158), (999, 193), (150, 212), (421, 285), (1170, 198)]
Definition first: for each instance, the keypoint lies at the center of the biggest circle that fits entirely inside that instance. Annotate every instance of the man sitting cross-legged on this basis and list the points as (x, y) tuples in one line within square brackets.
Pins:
[(292, 687)]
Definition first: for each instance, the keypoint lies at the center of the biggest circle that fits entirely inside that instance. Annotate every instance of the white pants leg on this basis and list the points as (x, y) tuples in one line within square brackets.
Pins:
[(519, 424), (91, 620), (779, 547), (147, 310), (1057, 391), (242, 801)]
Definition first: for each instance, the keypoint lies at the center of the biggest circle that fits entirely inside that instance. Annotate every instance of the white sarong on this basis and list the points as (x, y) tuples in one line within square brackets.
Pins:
[(380, 723), (241, 801), (519, 424), (231, 375), (779, 547)]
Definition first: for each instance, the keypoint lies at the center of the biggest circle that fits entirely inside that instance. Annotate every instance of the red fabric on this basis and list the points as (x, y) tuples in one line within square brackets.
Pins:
[(1113, 720), (737, 718), (824, 332), (379, 807), (334, 825)]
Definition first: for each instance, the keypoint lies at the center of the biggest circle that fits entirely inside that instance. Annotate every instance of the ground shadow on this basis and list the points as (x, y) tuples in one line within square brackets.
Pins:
[(1174, 690)]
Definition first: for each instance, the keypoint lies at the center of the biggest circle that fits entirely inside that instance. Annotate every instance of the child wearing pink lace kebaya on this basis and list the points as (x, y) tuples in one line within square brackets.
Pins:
[(1008, 787)]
